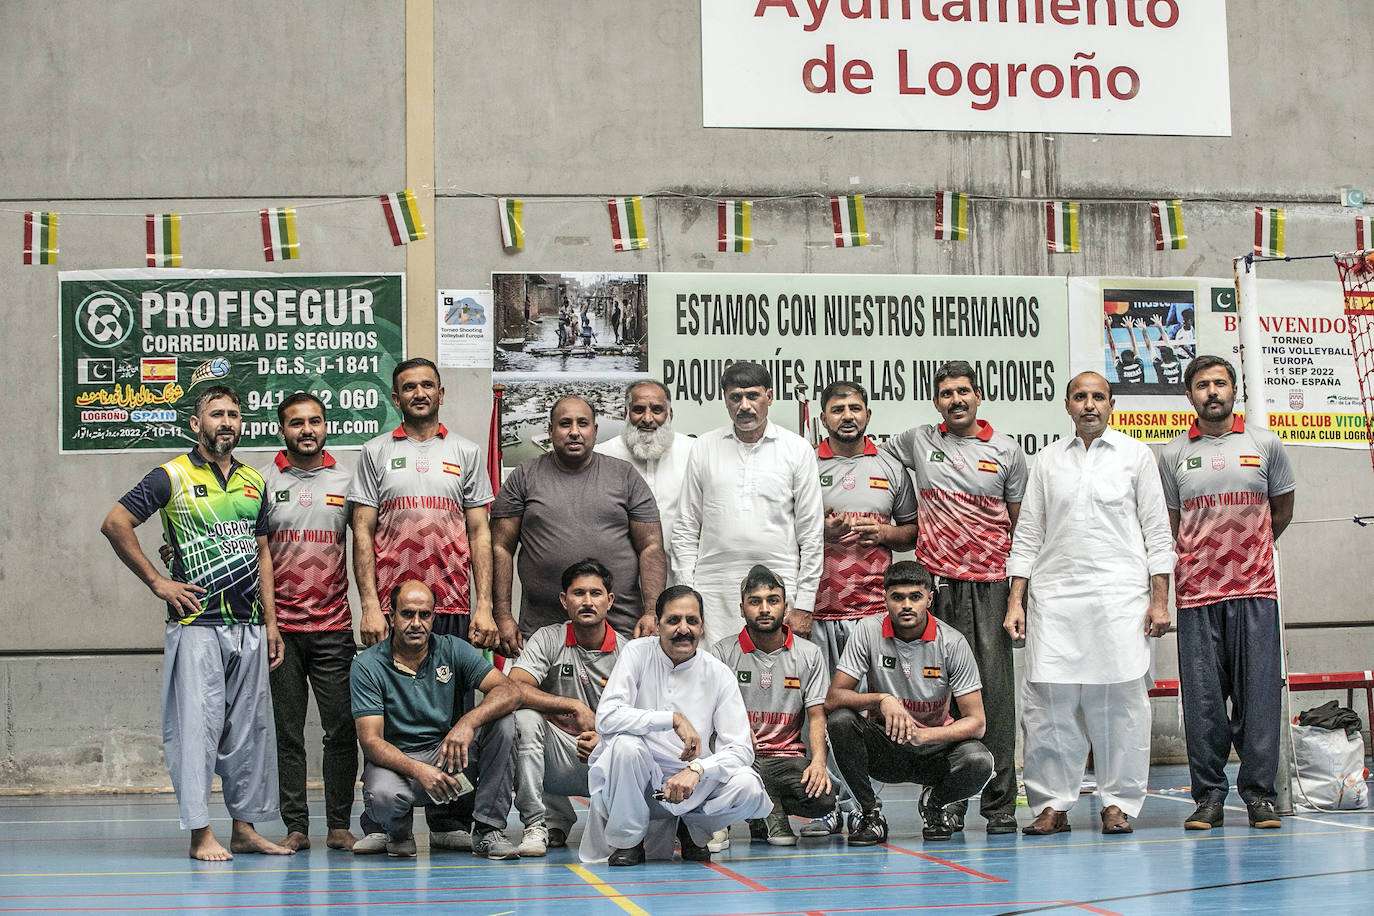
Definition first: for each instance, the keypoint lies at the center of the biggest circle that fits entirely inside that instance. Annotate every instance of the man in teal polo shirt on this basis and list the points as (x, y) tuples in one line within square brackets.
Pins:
[(407, 693)]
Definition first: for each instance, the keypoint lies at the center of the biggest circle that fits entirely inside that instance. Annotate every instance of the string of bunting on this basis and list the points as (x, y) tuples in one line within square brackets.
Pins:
[(628, 228)]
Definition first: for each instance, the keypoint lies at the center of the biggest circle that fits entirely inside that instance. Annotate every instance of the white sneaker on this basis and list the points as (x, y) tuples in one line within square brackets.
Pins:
[(534, 842), (455, 840), (374, 844), (720, 840)]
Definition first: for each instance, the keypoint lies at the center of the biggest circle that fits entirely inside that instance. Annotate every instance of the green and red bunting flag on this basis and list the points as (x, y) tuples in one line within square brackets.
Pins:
[(512, 213), (279, 234), (1167, 218), (734, 227), (40, 237), (402, 217), (163, 231), (627, 223), (1363, 237), (1269, 231), (847, 216), (951, 216), (1061, 226)]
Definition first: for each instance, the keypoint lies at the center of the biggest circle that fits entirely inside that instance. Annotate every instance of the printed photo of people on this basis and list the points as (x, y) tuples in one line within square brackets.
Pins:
[(574, 322), (1149, 337)]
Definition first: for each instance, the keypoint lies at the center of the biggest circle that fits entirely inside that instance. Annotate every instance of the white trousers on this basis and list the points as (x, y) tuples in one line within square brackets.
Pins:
[(1060, 722), (623, 779)]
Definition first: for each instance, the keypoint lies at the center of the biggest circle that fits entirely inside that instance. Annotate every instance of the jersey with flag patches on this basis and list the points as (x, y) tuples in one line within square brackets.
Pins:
[(420, 491), (922, 674), (873, 485), (307, 522), (1221, 486), (963, 486), (212, 525), (563, 668), (778, 688)]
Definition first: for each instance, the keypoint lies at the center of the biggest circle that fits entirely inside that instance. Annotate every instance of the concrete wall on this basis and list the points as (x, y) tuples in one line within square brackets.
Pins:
[(129, 107)]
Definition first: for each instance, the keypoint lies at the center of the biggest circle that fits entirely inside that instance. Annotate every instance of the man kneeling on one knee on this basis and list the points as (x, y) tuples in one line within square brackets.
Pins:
[(406, 690), (663, 704), (783, 681), (913, 665), (561, 672)]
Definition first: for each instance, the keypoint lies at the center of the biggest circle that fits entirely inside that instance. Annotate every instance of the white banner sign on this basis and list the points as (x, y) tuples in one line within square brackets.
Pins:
[(1073, 66)]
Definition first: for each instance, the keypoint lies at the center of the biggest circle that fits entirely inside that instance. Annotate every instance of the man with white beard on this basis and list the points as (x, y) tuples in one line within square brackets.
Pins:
[(658, 453)]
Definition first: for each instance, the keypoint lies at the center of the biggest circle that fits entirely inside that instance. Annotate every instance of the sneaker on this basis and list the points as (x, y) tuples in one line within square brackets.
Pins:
[(534, 842), (371, 845), (829, 825), (999, 824), (558, 838), (1205, 816), (491, 843), (720, 840), (758, 830), (954, 815), (938, 825), (780, 829), (1263, 815), (452, 840), (401, 849), (870, 831), (853, 819)]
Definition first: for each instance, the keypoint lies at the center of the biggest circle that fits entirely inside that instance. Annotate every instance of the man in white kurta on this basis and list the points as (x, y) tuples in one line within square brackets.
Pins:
[(1094, 546), (662, 705), (751, 495), (658, 452)]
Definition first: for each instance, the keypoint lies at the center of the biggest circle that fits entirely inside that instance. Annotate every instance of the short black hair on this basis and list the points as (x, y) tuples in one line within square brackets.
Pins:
[(300, 397), (760, 576), (842, 388), (956, 368), (745, 375), (674, 592), (1206, 361), (214, 392), (415, 362), (908, 572), (588, 567), (1127, 356), (1167, 355)]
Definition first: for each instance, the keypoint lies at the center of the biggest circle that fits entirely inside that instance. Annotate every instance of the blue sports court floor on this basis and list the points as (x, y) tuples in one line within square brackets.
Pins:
[(92, 854)]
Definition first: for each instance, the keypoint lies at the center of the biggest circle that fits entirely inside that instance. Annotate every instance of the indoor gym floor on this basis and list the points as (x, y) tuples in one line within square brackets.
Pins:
[(105, 854)]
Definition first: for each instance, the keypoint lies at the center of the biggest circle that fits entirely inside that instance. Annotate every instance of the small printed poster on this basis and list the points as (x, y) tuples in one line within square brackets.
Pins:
[(465, 329)]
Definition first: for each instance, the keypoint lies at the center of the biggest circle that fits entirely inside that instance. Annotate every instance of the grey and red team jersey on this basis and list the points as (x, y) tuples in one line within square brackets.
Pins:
[(1221, 486), (307, 525), (872, 484), (778, 687), (923, 674), (563, 668), (963, 485), (420, 491)]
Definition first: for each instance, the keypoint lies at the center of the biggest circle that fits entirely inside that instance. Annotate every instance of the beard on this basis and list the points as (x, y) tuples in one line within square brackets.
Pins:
[(215, 448), (648, 446)]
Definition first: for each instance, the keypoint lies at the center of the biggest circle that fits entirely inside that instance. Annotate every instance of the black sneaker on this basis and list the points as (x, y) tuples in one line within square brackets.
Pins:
[(871, 829), (1263, 815), (1205, 816), (938, 824), (691, 852), (954, 813)]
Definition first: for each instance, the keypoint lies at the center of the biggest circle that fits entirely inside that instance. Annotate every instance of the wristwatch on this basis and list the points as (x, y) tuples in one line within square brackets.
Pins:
[(696, 766)]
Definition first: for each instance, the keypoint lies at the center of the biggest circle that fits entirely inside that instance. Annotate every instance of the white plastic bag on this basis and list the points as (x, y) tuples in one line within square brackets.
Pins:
[(1330, 771)]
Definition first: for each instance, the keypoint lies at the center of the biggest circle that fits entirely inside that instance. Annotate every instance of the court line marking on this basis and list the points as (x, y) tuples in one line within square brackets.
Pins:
[(945, 862), (747, 882), (615, 896)]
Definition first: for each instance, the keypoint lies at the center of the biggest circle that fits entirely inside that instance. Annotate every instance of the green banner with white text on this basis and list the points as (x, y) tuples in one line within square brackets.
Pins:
[(137, 345)]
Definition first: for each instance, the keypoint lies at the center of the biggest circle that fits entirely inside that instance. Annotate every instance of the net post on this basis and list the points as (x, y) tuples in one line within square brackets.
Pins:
[(1257, 413)]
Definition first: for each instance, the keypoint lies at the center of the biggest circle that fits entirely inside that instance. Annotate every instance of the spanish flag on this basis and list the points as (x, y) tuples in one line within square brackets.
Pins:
[(878, 483), (989, 466), (451, 468), (333, 499), (1249, 461), (791, 683), (251, 491)]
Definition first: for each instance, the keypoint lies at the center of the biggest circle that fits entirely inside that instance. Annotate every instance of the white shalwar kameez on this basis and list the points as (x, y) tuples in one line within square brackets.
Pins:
[(745, 503), (1093, 530), (639, 752)]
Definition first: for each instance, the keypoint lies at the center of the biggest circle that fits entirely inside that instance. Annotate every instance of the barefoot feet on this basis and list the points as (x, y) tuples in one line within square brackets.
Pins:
[(340, 838), (296, 841), (245, 839), (205, 847)]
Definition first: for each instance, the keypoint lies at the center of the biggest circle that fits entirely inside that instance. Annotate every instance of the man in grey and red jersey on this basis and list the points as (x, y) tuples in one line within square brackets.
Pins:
[(783, 681), (969, 483), (1229, 489), (419, 512), (913, 667), (307, 531)]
